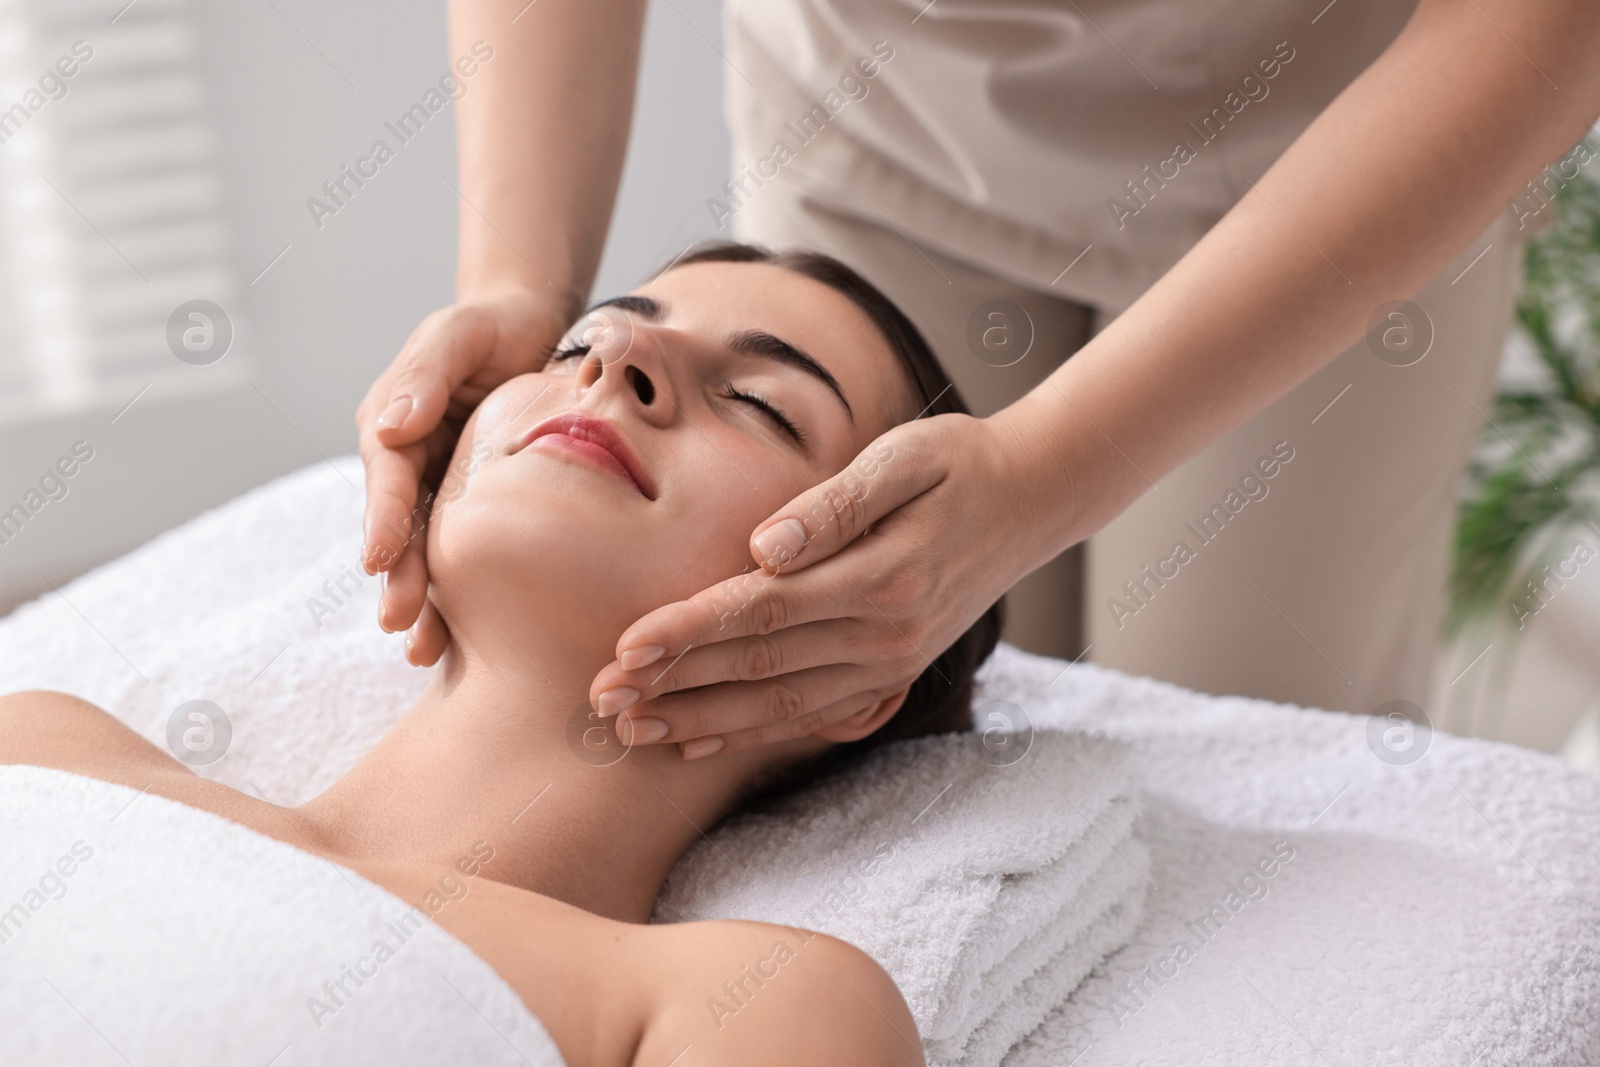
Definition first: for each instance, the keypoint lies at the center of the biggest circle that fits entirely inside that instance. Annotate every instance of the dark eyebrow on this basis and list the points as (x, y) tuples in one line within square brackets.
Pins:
[(645, 307), (749, 342), (761, 343)]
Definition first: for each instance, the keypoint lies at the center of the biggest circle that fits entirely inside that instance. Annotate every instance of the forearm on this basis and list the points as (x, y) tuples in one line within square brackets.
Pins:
[(542, 136), (1390, 182)]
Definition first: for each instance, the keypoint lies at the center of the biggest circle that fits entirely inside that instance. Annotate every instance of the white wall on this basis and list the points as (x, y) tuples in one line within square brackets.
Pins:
[(330, 314)]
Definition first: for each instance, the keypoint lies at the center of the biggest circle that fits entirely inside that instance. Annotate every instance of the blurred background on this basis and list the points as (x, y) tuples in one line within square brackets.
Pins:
[(178, 162), (177, 166)]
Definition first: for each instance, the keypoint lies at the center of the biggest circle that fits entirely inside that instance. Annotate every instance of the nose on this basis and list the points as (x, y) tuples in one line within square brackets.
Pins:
[(643, 387), (626, 358)]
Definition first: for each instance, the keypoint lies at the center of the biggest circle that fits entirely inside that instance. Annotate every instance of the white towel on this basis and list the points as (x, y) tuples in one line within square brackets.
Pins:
[(1040, 976), (964, 880), (1410, 926), (135, 929), (1442, 912), (1002, 874)]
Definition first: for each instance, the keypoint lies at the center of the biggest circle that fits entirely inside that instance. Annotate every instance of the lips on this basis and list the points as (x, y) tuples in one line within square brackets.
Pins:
[(594, 440)]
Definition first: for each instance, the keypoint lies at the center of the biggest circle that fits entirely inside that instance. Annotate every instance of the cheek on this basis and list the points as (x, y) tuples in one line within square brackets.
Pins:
[(704, 534), (521, 401), (477, 490)]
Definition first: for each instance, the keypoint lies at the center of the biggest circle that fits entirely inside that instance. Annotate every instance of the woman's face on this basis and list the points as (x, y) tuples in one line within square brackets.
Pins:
[(631, 471)]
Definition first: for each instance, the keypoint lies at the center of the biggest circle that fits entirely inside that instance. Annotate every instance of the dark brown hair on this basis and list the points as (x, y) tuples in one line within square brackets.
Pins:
[(940, 700)]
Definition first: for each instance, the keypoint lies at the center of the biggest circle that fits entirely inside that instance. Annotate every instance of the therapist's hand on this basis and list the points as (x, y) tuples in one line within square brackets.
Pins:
[(410, 420), (878, 571)]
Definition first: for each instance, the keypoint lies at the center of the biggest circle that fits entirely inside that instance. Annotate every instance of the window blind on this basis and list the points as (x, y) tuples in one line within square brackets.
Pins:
[(112, 210)]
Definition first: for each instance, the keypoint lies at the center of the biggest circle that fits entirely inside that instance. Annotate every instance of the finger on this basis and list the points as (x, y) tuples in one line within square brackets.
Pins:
[(797, 699), (755, 736), (744, 659), (751, 603), (439, 355), (428, 639), (401, 425), (888, 473), (393, 477), (405, 586)]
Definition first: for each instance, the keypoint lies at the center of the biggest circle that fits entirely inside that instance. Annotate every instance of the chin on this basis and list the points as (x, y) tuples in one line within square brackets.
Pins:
[(553, 546)]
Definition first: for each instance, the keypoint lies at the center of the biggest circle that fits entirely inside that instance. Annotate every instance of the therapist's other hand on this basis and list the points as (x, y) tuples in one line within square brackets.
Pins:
[(863, 581), (410, 420)]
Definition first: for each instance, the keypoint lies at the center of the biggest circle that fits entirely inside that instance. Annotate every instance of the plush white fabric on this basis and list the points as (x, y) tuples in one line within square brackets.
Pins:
[(966, 881), (135, 927), (998, 890), (1444, 912)]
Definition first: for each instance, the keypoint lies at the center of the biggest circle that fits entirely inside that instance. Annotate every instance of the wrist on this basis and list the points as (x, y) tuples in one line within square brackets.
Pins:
[(487, 276), (556, 310), (1053, 462)]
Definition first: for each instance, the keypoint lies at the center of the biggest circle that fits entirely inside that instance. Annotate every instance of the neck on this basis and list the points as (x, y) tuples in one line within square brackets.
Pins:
[(493, 752)]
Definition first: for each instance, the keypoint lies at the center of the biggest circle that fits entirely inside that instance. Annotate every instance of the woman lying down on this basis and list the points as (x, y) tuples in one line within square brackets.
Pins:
[(625, 475)]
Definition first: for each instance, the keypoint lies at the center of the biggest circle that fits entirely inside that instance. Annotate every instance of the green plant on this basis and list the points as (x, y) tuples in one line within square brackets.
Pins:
[(1535, 473)]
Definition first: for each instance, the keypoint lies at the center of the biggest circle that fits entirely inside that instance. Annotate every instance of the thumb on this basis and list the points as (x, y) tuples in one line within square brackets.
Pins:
[(822, 520), (443, 352)]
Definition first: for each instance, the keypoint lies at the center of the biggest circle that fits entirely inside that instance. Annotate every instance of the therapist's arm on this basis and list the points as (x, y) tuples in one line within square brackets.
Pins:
[(542, 131), (1392, 180)]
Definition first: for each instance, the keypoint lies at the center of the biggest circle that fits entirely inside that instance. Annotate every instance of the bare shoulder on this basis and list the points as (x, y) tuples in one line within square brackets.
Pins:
[(748, 992), (45, 728)]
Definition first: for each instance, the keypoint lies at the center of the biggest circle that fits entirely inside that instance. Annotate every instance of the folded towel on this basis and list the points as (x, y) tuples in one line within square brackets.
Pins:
[(135, 927), (1041, 913), (1052, 985), (1026, 986), (990, 905), (964, 880)]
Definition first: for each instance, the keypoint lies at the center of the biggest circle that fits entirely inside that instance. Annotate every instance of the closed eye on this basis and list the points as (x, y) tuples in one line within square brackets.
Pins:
[(782, 421), (729, 390)]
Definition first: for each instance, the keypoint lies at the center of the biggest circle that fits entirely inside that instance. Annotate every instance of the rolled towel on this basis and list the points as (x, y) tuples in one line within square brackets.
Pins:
[(134, 925), (986, 892)]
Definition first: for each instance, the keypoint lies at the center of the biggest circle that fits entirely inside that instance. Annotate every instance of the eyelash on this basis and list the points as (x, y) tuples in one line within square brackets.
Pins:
[(729, 390), (733, 393)]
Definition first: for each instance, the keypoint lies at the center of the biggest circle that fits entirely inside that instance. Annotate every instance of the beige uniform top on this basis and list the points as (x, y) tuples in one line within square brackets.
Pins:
[(1099, 138)]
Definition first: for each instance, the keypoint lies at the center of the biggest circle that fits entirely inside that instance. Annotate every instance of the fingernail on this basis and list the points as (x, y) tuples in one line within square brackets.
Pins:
[(781, 542), (621, 698), (395, 413), (641, 731), (702, 746), (643, 656)]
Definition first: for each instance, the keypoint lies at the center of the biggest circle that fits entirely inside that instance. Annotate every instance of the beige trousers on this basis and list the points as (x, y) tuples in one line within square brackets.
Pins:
[(1322, 585)]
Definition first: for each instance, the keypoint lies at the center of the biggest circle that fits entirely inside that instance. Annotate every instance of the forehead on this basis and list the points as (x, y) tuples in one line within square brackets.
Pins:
[(718, 300)]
